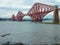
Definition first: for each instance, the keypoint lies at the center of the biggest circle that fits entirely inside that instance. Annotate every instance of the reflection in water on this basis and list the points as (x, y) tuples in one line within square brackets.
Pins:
[(30, 32)]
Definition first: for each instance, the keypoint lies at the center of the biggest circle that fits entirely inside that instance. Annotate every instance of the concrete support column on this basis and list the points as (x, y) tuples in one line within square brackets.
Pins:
[(56, 15)]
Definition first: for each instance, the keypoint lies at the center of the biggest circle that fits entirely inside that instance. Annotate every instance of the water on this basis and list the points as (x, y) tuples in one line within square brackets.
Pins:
[(29, 32)]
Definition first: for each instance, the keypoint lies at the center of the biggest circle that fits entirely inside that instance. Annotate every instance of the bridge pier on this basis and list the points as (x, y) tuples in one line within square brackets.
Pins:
[(56, 15), (13, 18), (40, 18), (36, 18)]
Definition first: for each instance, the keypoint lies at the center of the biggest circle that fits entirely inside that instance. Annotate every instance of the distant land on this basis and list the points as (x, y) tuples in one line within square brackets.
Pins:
[(9, 19), (5, 19)]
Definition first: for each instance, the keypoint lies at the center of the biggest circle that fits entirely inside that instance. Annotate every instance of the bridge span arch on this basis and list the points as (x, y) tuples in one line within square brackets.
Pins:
[(37, 12), (27, 17)]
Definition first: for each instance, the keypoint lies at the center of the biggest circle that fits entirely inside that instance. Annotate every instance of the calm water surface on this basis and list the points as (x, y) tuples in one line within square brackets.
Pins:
[(29, 32)]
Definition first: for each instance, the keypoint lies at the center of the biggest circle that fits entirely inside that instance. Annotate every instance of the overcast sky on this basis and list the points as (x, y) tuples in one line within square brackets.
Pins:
[(9, 7)]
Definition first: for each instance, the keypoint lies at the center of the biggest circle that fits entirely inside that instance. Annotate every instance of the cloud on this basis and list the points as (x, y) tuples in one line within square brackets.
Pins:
[(58, 1), (7, 13), (11, 3), (37, 1), (9, 7)]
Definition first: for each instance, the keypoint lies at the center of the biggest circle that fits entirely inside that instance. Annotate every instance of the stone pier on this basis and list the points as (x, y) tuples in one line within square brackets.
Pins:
[(56, 15)]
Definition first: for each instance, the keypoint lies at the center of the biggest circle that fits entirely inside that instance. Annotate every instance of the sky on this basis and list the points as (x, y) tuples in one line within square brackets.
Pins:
[(9, 7)]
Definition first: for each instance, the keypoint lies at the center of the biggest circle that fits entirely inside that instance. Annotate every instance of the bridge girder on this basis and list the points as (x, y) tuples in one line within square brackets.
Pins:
[(40, 10)]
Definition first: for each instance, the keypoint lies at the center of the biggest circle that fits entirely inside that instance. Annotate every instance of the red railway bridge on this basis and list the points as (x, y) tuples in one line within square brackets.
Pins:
[(37, 12)]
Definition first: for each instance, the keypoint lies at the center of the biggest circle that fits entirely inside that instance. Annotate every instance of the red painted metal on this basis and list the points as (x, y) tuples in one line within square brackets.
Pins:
[(19, 16), (37, 12), (13, 17)]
